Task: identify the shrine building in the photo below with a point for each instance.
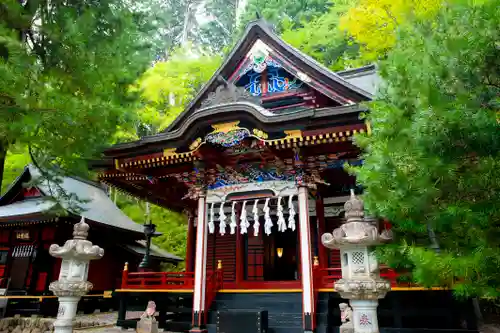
(257, 162)
(36, 213)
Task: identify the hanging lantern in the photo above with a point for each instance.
(279, 252)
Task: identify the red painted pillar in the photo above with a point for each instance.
(320, 216)
(191, 237)
(308, 304)
(200, 270)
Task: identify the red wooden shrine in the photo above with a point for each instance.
(257, 161)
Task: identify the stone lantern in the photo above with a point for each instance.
(72, 284)
(360, 282)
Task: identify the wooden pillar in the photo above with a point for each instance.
(200, 269)
(240, 259)
(308, 305)
(191, 237)
(320, 217)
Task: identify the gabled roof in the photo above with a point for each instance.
(140, 248)
(93, 201)
(365, 78)
(260, 30)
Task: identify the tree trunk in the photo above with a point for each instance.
(3, 155)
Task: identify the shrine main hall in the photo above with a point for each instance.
(257, 161)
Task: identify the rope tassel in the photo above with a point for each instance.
(256, 224)
(267, 217)
(233, 224)
(291, 214)
(281, 217)
(222, 219)
(211, 224)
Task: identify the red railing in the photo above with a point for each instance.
(214, 284)
(158, 280)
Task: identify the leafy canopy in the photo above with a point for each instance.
(168, 87)
(322, 39)
(65, 69)
(433, 160)
(374, 23)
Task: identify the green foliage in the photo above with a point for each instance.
(217, 33)
(433, 160)
(17, 159)
(373, 24)
(168, 87)
(322, 39)
(277, 11)
(65, 69)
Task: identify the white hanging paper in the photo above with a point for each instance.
(281, 217)
(243, 219)
(291, 214)
(267, 217)
(233, 224)
(222, 220)
(256, 224)
(211, 224)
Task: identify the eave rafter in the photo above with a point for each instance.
(291, 139)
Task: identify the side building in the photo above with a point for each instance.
(257, 159)
(35, 213)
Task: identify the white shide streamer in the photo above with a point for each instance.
(222, 219)
(267, 217)
(243, 219)
(256, 224)
(211, 224)
(233, 224)
(281, 217)
(291, 214)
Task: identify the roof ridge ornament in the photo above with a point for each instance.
(229, 93)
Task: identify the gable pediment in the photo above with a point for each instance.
(280, 76)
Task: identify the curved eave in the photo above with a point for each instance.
(231, 112)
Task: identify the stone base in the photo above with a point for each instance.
(146, 325)
(346, 328)
(364, 315)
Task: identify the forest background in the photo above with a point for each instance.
(116, 71)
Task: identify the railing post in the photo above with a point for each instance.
(125, 276)
(219, 274)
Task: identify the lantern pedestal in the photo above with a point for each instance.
(364, 315)
(360, 282)
(72, 284)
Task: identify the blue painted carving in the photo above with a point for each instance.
(246, 173)
(277, 81)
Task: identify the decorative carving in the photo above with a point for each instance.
(194, 193)
(245, 173)
(364, 320)
(150, 311)
(228, 139)
(346, 318)
(62, 288)
(345, 313)
(367, 288)
(356, 230)
(148, 323)
(229, 94)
